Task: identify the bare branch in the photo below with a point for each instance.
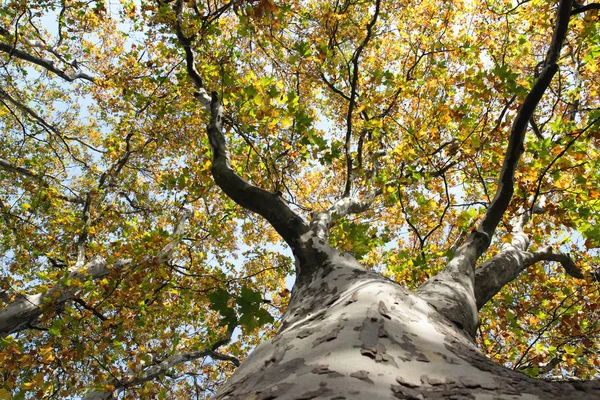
(163, 367)
(515, 148)
(577, 9)
(269, 205)
(83, 236)
(536, 129)
(177, 236)
(44, 63)
(565, 260)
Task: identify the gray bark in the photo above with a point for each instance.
(25, 310)
(352, 334)
(452, 290)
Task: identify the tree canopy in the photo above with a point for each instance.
(124, 265)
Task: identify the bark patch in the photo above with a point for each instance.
(323, 390)
(329, 337)
(406, 383)
(407, 345)
(323, 369)
(353, 298)
(362, 375)
(383, 310)
(304, 334)
(403, 392)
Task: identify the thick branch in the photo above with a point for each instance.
(20, 314)
(580, 9)
(321, 222)
(44, 63)
(515, 148)
(269, 205)
(513, 258)
(451, 291)
(503, 268)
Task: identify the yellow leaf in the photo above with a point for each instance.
(286, 122)
(47, 355)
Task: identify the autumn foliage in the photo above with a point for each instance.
(104, 156)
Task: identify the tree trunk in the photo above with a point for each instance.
(352, 334)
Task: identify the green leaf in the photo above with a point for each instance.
(250, 91)
(56, 328)
(219, 299)
(303, 48)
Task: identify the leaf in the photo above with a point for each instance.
(286, 122)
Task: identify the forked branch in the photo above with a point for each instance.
(44, 63)
(506, 266)
(321, 222)
(451, 290)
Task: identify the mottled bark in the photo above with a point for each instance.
(353, 334)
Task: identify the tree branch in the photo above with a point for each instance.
(269, 205)
(20, 314)
(352, 99)
(451, 291)
(321, 222)
(513, 258)
(577, 9)
(506, 266)
(48, 127)
(7, 166)
(44, 63)
(163, 367)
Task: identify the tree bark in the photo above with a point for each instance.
(352, 334)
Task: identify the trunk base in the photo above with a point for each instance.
(351, 334)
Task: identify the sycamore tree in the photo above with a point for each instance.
(426, 173)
